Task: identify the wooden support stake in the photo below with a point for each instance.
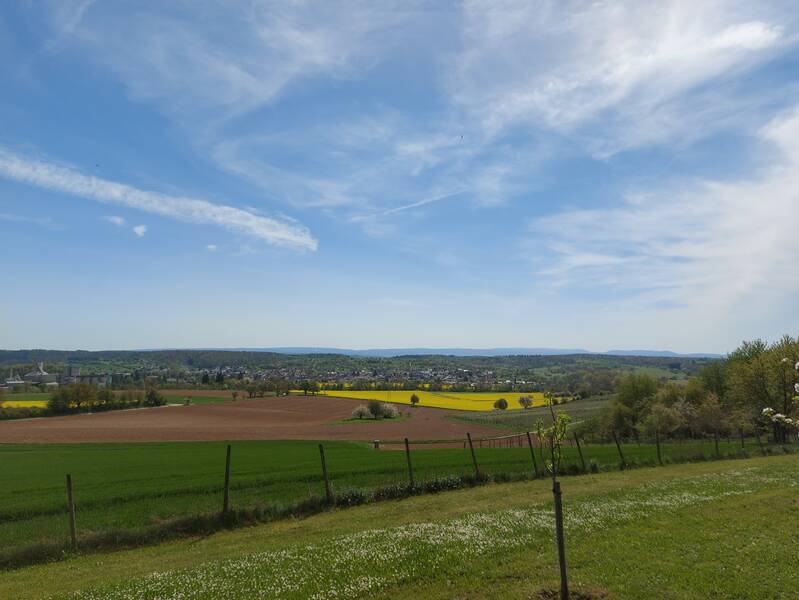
(226, 497)
(564, 580)
(741, 430)
(73, 533)
(408, 456)
(328, 489)
(618, 447)
(532, 454)
(579, 450)
(474, 457)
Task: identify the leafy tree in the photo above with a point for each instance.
(154, 398)
(205, 379)
(375, 408)
(618, 418)
(710, 415)
(635, 391)
(414, 399)
(501, 404)
(360, 412)
(525, 402)
(661, 420)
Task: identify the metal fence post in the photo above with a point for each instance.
(73, 534)
(474, 457)
(408, 456)
(328, 489)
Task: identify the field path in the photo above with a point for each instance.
(284, 418)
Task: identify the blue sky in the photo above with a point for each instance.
(371, 174)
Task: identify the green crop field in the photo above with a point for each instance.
(525, 420)
(181, 399)
(130, 487)
(684, 532)
(28, 396)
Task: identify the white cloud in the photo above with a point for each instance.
(189, 210)
(212, 247)
(615, 74)
(223, 60)
(711, 244)
(115, 220)
(140, 230)
(45, 222)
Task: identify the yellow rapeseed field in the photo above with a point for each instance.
(454, 400)
(24, 404)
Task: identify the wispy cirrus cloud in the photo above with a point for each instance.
(115, 220)
(188, 210)
(44, 222)
(188, 65)
(711, 243)
(614, 75)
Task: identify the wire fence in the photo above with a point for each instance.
(257, 481)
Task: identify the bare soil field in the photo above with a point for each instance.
(284, 418)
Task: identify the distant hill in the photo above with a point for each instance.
(60, 355)
(392, 352)
(661, 353)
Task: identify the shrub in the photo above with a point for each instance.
(414, 399)
(361, 411)
(351, 498)
(501, 404)
(390, 411)
(154, 398)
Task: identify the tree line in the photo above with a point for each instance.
(754, 391)
(82, 397)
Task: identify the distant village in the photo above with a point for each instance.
(232, 375)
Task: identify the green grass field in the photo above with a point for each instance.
(41, 396)
(525, 420)
(130, 487)
(708, 530)
(181, 399)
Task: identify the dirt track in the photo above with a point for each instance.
(288, 417)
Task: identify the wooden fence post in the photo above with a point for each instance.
(741, 430)
(408, 456)
(618, 447)
(532, 454)
(73, 533)
(474, 457)
(226, 497)
(564, 580)
(657, 443)
(328, 489)
(579, 451)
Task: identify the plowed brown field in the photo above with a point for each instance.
(287, 417)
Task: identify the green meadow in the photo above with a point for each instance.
(135, 487)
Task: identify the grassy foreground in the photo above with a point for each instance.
(720, 530)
